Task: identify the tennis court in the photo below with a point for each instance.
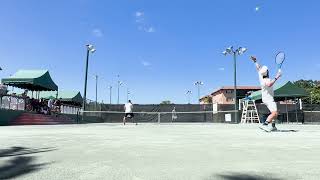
(151, 151)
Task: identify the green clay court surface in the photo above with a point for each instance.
(186, 151)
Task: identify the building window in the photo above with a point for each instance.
(229, 99)
(229, 91)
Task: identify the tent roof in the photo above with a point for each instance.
(34, 80)
(287, 90)
(66, 96)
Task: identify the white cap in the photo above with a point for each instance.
(263, 71)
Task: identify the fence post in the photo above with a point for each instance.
(287, 111)
(158, 118)
(77, 117)
(295, 103)
(17, 100)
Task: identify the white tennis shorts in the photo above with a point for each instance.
(272, 106)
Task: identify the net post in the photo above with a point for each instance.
(158, 118)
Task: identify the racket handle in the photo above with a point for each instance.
(280, 65)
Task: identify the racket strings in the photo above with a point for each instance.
(280, 58)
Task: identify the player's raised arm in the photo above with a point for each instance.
(271, 83)
(254, 59)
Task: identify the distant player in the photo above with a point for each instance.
(174, 114)
(128, 112)
(267, 94)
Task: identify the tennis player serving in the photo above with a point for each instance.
(267, 94)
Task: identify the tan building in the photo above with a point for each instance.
(224, 95)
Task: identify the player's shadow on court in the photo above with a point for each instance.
(242, 176)
(18, 161)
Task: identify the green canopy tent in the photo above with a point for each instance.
(68, 97)
(282, 92)
(33, 80)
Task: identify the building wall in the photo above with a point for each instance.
(217, 98)
(223, 97)
(226, 96)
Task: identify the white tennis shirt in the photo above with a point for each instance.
(128, 108)
(266, 91)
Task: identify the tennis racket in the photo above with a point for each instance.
(280, 57)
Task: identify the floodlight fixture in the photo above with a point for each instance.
(224, 53)
(229, 50)
(241, 50)
(91, 48)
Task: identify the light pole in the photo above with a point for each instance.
(110, 92)
(90, 49)
(236, 52)
(96, 105)
(188, 93)
(198, 83)
(1, 96)
(128, 92)
(119, 84)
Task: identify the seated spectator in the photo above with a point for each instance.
(37, 105)
(25, 93)
(33, 104)
(57, 104)
(3, 90)
(50, 105)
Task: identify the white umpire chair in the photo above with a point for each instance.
(249, 112)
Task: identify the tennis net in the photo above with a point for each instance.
(160, 117)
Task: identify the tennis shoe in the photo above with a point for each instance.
(273, 128)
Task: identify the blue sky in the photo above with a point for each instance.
(159, 48)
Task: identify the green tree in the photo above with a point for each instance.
(207, 100)
(313, 88)
(166, 102)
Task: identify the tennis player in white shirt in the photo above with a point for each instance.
(267, 94)
(128, 112)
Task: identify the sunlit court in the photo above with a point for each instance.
(177, 151)
(159, 90)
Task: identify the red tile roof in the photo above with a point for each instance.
(238, 88)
